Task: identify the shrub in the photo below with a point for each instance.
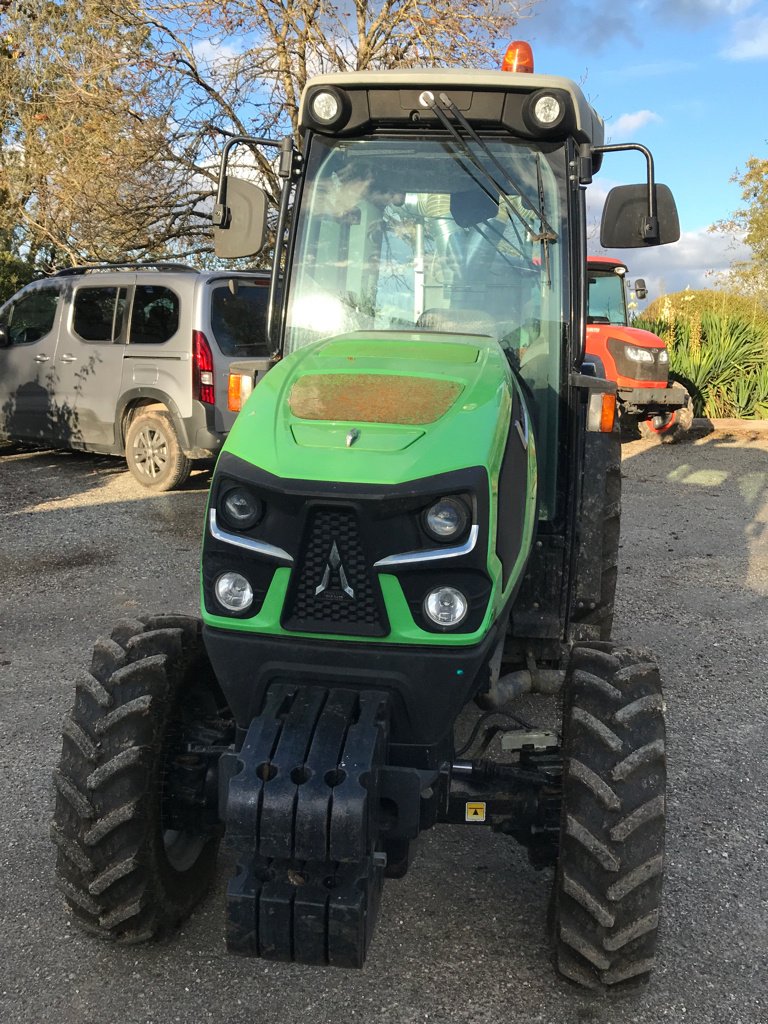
(721, 359)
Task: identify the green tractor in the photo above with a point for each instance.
(416, 513)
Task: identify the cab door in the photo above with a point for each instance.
(29, 384)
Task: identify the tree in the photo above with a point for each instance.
(81, 165)
(751, 223)
(239, 66)
(114, 114)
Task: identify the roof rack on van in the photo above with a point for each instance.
(103, 267)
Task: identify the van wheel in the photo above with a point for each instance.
(153, 452)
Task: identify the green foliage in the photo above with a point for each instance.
(14, 274)
(722, 359)
(750, 223)
(692, 303)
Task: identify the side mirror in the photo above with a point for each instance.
(5, 340)
(627, 221)
(240, 221)
(640, 290)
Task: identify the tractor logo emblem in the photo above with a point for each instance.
(334, 582)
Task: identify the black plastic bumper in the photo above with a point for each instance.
(427, 686)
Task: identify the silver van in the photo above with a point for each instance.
(130, 360)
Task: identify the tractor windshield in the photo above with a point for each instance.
(404, 233)
(607, 298)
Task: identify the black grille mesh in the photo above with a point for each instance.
(333, 610)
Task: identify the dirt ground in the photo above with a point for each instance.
(463, 938)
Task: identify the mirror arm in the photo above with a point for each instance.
(221, 214)
(650, 226)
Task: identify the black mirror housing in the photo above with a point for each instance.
(242, 220)
(627, 221)
(641, 291)
(5, 339)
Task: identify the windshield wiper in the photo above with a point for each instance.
(547, 233)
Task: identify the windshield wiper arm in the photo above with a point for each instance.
(547, 233)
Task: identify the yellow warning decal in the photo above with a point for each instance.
(474, 812)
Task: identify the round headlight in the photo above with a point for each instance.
(547, 109)
(447, 519)
(233, 592)
(446, 607)
(663, 355)
(240, 508)
(325, 106)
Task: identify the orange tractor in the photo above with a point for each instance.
(637, 360)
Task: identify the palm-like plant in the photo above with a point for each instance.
(722, 359)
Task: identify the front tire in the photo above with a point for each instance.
(153, 451)
(669, 428)
(131, 867)
(607, 894)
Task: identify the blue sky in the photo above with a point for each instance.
(687, 79)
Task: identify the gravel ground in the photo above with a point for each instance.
(463, 938)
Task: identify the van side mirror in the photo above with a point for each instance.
(627, 223)
(640, 289)
(240, 220)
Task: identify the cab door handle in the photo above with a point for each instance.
(67, 358)
(41, 358)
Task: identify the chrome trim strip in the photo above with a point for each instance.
(522, 430)
(431, 554)
(256, 547)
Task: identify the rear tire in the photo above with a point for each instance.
(153, 452)
(607, 893)
(125, 873)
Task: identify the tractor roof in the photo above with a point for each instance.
(589, 124)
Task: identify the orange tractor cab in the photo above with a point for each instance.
(637, 360)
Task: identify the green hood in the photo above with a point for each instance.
(379, 408)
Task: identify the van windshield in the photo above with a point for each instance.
(239, 318)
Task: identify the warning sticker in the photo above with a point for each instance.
(474, 812)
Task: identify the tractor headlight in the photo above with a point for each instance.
(447, 519)
(446, 607)
(663, 355)
(233, 592)
(240, 509)
(638, 355)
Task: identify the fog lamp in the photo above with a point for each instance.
(233, 592)
(446, 607)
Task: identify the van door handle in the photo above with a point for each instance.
(41, 358)
(67, 358)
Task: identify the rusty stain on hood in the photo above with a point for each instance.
(372, 398)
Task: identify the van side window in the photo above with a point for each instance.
(98, 314)
(31, 317)
(239, 320)
(155, 315)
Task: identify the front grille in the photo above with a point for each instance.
(332, 589)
